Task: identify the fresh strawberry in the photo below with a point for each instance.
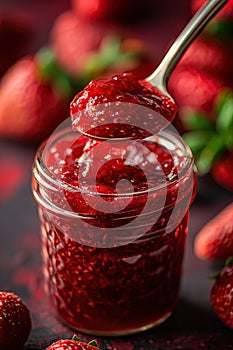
(193, 88)
(225, 14)
(15, 322)
(74, 39)
(222, 294)
(74, 344)
(222, 171)
(31, 106)
(211, 56)
(215, 240)
(114, 10)
(99, 51)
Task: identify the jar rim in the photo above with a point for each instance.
(166, 134)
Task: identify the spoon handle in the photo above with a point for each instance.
(160, 76)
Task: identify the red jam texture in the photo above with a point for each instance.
(121, 107)
(129, 279)
(113, 289)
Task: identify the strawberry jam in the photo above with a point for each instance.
(113, 224)
(132, 108)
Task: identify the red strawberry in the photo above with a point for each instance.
(222, 294)
(225, 14)
(15, 322)
(222, 171)
(215, 240)
(212, 56)
(74, 39)
(114, 10)
(30, 107)
(193, 88)
(74, 344)
(98, 51)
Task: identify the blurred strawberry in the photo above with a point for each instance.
(193, 88)
(212, 141)
(99, 50)
(117, 55)
(15, 35)
(222, 294)
(225, 14)
(212, 56)
(222, 171)
(112, 10)
(74, 344)
(74, 39)
(215, 240)
(33, 100)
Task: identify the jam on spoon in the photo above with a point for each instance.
(109, 108)
(121, 107)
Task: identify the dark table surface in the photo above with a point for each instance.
(193, 325)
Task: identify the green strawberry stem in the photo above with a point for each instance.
(51, 72)
(222, 30)
(108, 57)
(228, 262)
(208, 140)
(91, 343)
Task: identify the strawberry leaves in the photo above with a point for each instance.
(207, 139)
(222, 30)
(224, 121)
(91, 343)
(51, 72)
(110, 55)
(73, 344)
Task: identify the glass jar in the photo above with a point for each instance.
(113, 225)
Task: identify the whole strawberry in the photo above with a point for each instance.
(211, 55)
(74, 39)
(222, 171)
(215, 240)
(194, 88)
(31, 106)
(15, 322)
(222, 294)
(74, 344)
(99, 51)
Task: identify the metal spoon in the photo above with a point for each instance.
(159, 78)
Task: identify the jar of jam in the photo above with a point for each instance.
(113, 225)
(114, 192)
